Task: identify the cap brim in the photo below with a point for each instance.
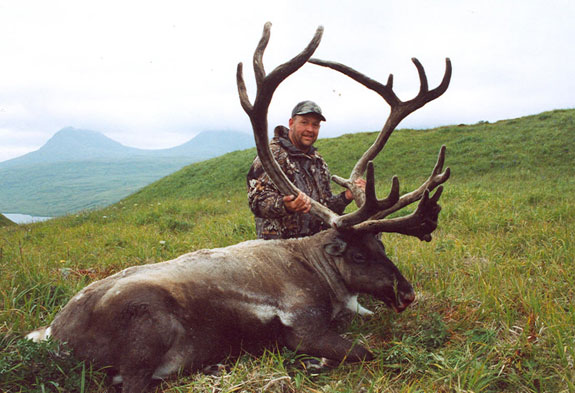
(311, 113)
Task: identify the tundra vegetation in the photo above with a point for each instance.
(495, 289)
(4, 221)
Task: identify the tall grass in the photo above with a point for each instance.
(494, 312)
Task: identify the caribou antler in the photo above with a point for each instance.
(371, 212)
(420, 223)
(399, 110)
(266, 85)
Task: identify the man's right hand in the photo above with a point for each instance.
(301, 204)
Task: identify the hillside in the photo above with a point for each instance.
(5, 221)
(524, 147)
(495, 287)
(81, 169)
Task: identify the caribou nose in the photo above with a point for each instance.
(409, 297)
(405, 300)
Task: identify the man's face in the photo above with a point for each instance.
(303, 130)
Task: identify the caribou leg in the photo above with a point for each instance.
(137, 382)
(329, 345)
(311, 335)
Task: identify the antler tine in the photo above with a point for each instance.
(266, 86)
(258, 63)
(384, 91)
(421, 223)
(435, 179)
(244, 99)
(423, 86)
(439, 90)
(372, 205)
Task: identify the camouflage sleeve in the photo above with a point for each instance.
(338, 202)
(264, 198)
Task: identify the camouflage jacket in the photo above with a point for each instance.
(309, 172)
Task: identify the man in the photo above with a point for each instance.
(286, 216)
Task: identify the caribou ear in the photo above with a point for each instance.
(335, 248)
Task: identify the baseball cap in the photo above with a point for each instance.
(305, 107)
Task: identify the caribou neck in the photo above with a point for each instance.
(323, 264)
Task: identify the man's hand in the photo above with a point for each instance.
(301, 204)
(360, 183)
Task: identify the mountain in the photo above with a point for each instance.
(82, 169)
(71, 144)
(212, 144)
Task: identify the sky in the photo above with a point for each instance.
(153, 74)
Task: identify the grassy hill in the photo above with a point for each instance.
(5, 221)
(495, 309)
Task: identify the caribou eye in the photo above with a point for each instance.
(358, 257)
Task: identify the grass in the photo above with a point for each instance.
(5, 221)
(495, 309)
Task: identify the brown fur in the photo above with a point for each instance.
(201, 307)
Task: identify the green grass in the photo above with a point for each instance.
(495, 309)
(5, 221)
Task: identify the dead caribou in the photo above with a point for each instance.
(149, 321)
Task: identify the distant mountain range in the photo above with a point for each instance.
(71, 144)
(81, 169)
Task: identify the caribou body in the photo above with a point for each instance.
(149, 321)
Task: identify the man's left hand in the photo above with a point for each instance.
(360, 183)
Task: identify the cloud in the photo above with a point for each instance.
(155, 74)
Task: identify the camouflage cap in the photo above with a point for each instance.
(305, 107)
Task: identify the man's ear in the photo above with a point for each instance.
(335, 248)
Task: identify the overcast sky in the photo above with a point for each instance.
(152, 74)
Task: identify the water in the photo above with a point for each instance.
(24, 218)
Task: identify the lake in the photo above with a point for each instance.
(24, 218)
